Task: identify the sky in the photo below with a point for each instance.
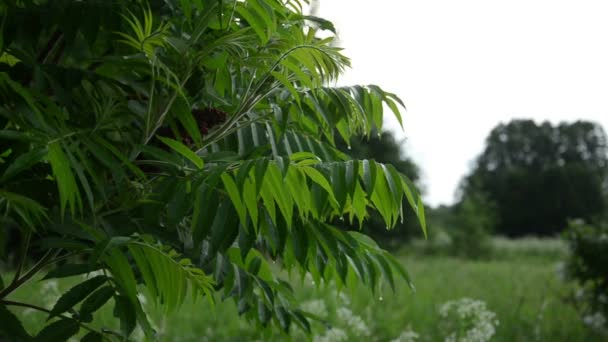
(462, 67)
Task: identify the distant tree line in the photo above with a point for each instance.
(538, 176)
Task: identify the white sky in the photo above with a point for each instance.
(462, 67)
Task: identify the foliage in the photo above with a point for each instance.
(177, 147)
(385, 148)
(586, 265)
(539, 176)
(470, 228)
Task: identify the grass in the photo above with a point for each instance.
(521, 288)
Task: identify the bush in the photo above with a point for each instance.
(587, 266)
(470, 228)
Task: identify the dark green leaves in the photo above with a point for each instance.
(69, 193)
(184, 151)
(68, 270)
(60, 330)
(95, 301)
(11, 328)
(76, 294)
(124, 310)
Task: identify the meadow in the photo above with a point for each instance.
(521, 285)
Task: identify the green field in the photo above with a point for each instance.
(522, 288)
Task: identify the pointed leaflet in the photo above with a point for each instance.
(320, 179)
(274, 181)
(382, 199)
(253, 20)
(123, 159)
(23, 162)
(68, 190)
(393, 179)
(182, 110)
(235, 196)
(95, 301)
(11, 327)
(125, 311)
(251, 202)
(122, 273)
(93, 336)
(415, 201)
(68, 270)
(184, 151)
(296, 183)
(60, 330)
(287, 83)
(205, 207)
(369, 175)
(76, 294)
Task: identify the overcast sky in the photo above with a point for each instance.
(462, 67)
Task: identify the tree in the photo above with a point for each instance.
(178, 146)
(385, 148)
(539, 176)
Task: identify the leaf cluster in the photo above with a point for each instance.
(176, 148)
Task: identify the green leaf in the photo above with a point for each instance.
(318, 178)
(95, 301)
(76, 294)
(11, 328)
(323, 23)
(369, 175)
(251, 202)
(23, 162)
(235, 197)
(68, 190)
(184, 151)
(60, 330)
(254, 21)
(92, 336)
(68, 270)
(125, 311)
(120, 267)
(283, 318)
(205, 209)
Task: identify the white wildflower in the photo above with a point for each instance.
(315, 307)
(473, 321)
(49, 292)
(407, 336)
(332, 335)
(355, 323)
(579, 294)
(595, 321)
(560, 271)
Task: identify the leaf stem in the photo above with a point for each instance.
(23, 256)
(17, 282)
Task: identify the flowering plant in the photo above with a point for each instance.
(468, 320)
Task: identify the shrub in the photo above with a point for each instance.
(587, 265)
(470, 228)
